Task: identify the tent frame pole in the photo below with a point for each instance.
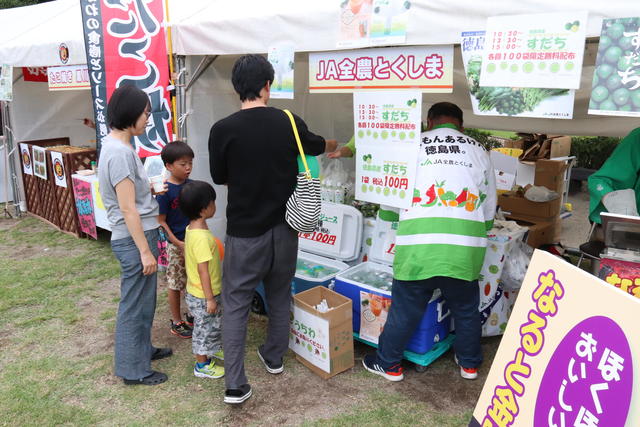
(10, 151)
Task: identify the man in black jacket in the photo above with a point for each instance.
(254, 152)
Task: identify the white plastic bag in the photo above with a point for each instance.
(540, 194)
(621, 202)
(515, 266)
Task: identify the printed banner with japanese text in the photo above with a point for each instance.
(425, 68)
(34, 74)
(541, 50)
(68, 77)
(615, 90)
(387, 131)
(309, 338)
(125, 44)
(373, 22)
(568, 354)
(84, 206)
(507, 101)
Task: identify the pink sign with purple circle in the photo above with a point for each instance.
(589, 378)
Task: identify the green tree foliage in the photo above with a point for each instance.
(483, 137)
(7, 4)
(592, 151)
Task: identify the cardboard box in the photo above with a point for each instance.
(560, 146)
(515, 204)
(540, 232)
(323, 342)
(550, 174)
(517, 144)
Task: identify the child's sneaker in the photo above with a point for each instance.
(210, 370)
(219, 355)
(188, 318)
(181, 329)
(371, 364)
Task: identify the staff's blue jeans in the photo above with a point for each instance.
(137, 307)
(409, 302)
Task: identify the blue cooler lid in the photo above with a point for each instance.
(338, 235)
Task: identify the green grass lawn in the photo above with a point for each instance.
(58, 299)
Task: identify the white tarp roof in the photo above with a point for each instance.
(30, 35)
(217, 27)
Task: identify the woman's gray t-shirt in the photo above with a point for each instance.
(117, 162)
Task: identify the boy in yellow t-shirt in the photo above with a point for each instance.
(204, 278)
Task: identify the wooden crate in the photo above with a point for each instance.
(39, 194)
(74, 158)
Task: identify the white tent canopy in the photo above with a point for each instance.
(220, 27)
(30, 36)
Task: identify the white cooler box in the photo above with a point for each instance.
(323, 253)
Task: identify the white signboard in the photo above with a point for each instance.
(27, 163)
(282, 58)
(387, 131)
(58, 167)
(427, 68)
(507, 101)
(327, 237)
(309, 338)
(39, 162)
(541, 50)
(68, 77)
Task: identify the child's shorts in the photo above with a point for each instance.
(207, 328)
(176, 272)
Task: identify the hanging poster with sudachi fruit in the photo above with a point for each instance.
(615, 90)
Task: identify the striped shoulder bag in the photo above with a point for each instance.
(303, 207)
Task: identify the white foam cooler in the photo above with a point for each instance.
(324, 253)
(336, 240)
(433, 327)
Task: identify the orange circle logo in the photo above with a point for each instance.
(58, 169)
(26, 158)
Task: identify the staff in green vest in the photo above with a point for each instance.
(620, 172)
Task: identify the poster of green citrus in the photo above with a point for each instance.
(615, 89)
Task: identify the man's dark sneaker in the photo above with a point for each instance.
(235, 396)
(181, 329)
(272, 368)
(372, 364)
(188, 319)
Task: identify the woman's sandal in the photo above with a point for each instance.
(154, 379)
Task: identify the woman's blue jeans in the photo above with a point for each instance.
(137, 307)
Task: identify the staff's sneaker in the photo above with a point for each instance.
(219, 355)
(235, 396)
(181, 329)
(371, 364)
(210, 370)
(467, 373)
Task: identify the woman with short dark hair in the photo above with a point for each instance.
(132, 213)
